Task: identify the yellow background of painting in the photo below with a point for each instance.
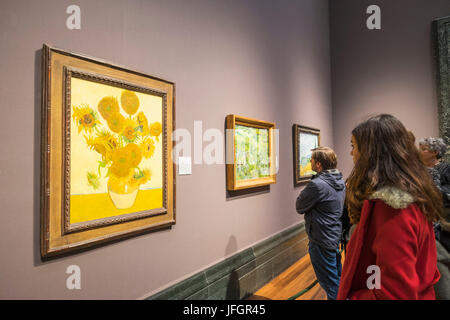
(89, 204)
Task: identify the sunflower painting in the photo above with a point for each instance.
(115, 151)
(107, 167)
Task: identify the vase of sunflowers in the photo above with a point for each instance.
(122, 146)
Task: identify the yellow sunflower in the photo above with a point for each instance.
(129, 101)
(130, 129)
(85, 118)
(109, 139)
(93, 180)
(134, 183)
(147, 175)
(116, 122)
(124, 159)
(108, 106)
(121, 164)
(155, 130)
(147, 147)
(140, 178)
(104, 144)
(97, 145)
(134, 154)
(143, 122)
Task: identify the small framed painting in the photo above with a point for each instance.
(250, 153)
(106, 159)
(304, 140)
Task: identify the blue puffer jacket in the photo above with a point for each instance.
(322, 202)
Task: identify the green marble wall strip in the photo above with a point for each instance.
(442, 38)
(184, 289)
(242, 274)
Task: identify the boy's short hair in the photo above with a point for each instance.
(326, 156)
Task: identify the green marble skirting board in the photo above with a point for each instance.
(240, 275)
(442, 46)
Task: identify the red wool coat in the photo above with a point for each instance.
(401, 243)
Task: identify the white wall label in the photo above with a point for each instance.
(184, 166)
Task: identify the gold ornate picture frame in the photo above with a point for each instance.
(106, 152)
(251, 158)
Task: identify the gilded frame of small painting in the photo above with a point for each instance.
(106, 152)
(304, 139)
(251, 159)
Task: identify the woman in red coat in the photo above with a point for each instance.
(392, 199)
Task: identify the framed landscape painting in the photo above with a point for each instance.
(304, 140)
(107, 170)
(250, 153)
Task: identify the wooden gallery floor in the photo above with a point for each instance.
(294, 279)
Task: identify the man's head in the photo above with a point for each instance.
(323, 158)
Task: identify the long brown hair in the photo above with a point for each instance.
(389, 158)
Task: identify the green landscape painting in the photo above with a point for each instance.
(252, 153)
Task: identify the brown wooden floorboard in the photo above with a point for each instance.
(290, 282)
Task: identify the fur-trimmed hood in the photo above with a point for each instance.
(393, 197)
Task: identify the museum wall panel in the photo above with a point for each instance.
(262, 59)
(390, 70)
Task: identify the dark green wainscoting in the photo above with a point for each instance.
(441, 28)
(240, 275)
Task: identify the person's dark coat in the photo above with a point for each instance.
(441, 178)
(322, 202)
(442, 287)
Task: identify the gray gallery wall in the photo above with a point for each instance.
(389, 70)
(263, 59)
